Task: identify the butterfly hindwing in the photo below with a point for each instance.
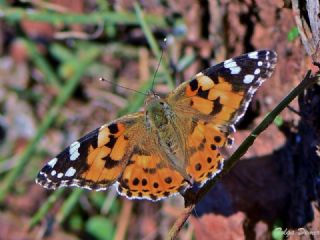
(205, 160)
(146, 176)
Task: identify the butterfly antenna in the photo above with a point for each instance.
(155, 73)
(106, 80)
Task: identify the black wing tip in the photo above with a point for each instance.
(44, 181)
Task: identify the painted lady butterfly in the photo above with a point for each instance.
(173, 143)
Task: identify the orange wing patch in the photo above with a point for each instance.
(205, 159)
(94, 162)
(144, 177)
(214, 97)
(105, 161)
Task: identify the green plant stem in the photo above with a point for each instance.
(107, 17)
(69, 204)
(63, 96)
(45, 207)
(42, 64)
(192, 199)
(145, 22)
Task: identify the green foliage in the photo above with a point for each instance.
(293, 34)
(278, 121)
(100, 227)
(277, 232)
(97, 199)
(76, 222)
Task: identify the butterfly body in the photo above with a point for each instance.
(162, 123)
(171, 145)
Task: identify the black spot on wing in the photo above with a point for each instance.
(217, 106)
(112, 141)
(144, 182)
(194, 84)
(203, 94)
(168, 180)
(129, 194)
(113, 128)
(153, 197)
(149, 170)
(41, 178)
(135, 181)
(110, 163)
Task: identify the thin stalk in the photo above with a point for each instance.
(107, 17)
(144, 22)
(45, 207)
(69, 204)
(42, 64)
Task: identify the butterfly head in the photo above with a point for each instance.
(152, 98)
(156, 110)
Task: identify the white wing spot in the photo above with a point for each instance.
(253, 55)
(260, 63)
(226, 62)
(248, 78)
(257, 71)
(73, 151)
(232, 65)
(53, 173)
(52, 162)
(70, 172)
(60, 175)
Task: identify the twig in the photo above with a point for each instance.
(153, 44)
(310, 35)
(123, 220)
(68, 204)
(304, 32)
(80, 35)
(45, 207)
(242, 149)
(175, 229)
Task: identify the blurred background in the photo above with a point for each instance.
(52, 54)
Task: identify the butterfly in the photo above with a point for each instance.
(173, 144)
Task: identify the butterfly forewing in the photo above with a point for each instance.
(95, 161)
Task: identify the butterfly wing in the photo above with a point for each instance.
(214, 101)
(95, 161)
(148, 174)
(120, 152)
